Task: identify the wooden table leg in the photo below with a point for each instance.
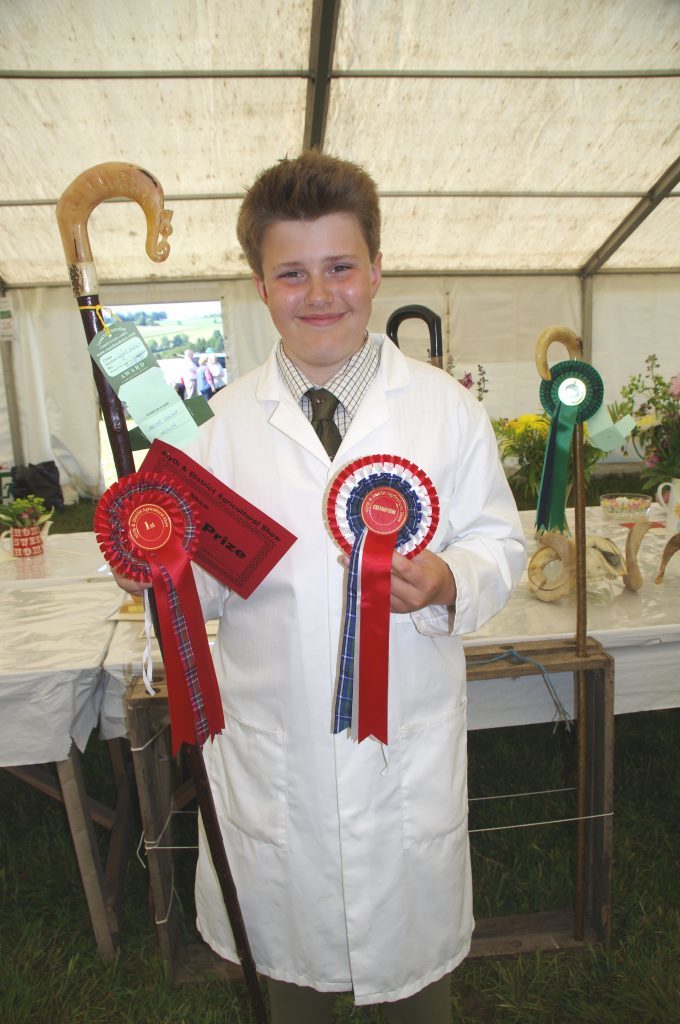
(102, 915)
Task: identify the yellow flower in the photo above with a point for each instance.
(530, 422)
(647, 421)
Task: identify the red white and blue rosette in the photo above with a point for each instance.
(146, 526)
(376, 505)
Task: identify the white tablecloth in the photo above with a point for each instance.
(68, 558)
(55, 635)
(641, 630)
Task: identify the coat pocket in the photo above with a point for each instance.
(248, 771)
(433, 759)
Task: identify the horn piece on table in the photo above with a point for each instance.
(555, 547)
(112, 180)
(634, 578)
(571, 341)
(672, 546)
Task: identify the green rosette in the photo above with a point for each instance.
(573, 394)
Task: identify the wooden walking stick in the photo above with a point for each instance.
(87, 191)
(574, 347)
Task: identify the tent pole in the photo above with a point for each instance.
(587, 281)
(7, 359)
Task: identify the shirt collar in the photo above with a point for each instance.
(348, 385)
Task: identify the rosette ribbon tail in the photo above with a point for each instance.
(552, 495)
(193, 693)
(362, 699)
(374, 635)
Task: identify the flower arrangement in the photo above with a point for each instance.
(521, 444)
(468, 381)
(654, 403)
(25, 512)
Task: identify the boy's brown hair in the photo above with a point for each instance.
(305, 188)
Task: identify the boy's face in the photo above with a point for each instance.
(318, 282)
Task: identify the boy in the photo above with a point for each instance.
(351, 860)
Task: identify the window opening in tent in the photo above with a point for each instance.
(170, 329)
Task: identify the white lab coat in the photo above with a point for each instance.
(351, 861)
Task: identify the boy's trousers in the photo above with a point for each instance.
(292, 1004)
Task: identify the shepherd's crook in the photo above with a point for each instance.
(88, 190)
(574, 347)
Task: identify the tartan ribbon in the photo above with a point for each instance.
(146, 528)
(375, 506)
(344, 701)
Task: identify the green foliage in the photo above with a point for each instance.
(468, 381)
(521, 444)
(654, 402)
(169, 338)
(24, 512)
(142, 318)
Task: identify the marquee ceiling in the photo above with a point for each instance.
(505, 135)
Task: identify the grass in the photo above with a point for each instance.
(45, 932)
(50, 974)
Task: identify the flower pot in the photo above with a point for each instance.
(24, 541)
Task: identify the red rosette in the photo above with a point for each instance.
(147, 528)
(413, 479)
(140, 514)
(375, 506)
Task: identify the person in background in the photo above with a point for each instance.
(204, 383)
(351, 859)
(189, 373)
(219, 376)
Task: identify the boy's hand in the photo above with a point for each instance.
(421, 581)
(129, 586)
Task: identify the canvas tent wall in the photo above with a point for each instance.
(527, 156)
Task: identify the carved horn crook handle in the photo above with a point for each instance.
(571, 341)
(92, 187)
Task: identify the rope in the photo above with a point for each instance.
(533, 824)
(511, 796)
(561, 714)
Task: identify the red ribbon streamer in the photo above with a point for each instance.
(374, 634)
(189, 720)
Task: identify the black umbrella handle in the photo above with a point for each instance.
(434, 326)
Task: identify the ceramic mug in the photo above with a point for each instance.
(668, 496)
(23, 541)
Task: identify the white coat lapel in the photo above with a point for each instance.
(393, 373)
(284, 413)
